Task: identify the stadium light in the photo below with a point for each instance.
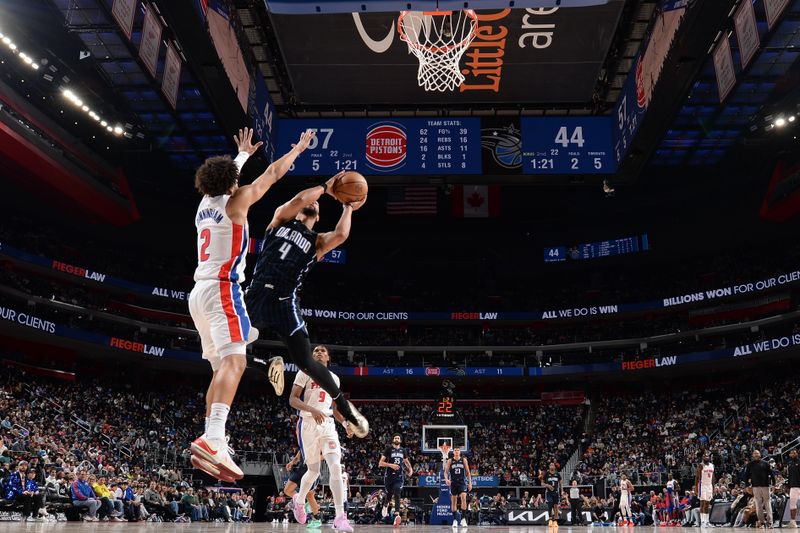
(780, 122)
(792, 118)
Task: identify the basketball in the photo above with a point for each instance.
(350, 187)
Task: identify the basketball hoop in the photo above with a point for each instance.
(438, 39)
(445, 449)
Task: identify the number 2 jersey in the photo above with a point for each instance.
(221, 244)
(288, 253)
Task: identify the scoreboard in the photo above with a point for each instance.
(567, 145)
(448, 146)
(408, 146)
(592, 250)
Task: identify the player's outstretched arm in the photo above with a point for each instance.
(247, 195)
(306, 197)
(329, 241)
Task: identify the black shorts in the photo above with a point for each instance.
(457, 488)
(297, 473)
(268, 311)
(393, 486)
(551, 498)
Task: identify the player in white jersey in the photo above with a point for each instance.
(216, 302)
(705, 484)
(316, 432)
(625, 493)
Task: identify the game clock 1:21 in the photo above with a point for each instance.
(567, 145)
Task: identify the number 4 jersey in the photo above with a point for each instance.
(288, 254)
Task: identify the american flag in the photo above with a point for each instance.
(412, 201)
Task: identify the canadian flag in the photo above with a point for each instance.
(476, 201)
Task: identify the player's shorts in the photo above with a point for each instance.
(706, 493)
(297, 473)
(316, 438)
(457, 488)
(270, 311)
(624, 502)
(393, 485)
(551, 498)
(220, 316)
(794, 495)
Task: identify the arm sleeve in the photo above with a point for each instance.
(241, 159)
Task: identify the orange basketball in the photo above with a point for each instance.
(350, 187)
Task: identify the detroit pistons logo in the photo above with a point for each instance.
(331, 445)
(387, 146)
(432, 371)
(641, 93)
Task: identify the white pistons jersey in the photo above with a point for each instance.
(707, 476)
(221, 244)
(314, 395)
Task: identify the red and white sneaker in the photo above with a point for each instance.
(215, 452)
(397, 520)
(299, 510)
(342, 524)
(209, 469)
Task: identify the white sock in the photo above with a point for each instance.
(205, 428)
(335, 469)
(704, 518)
(308, 481)
(216, 422)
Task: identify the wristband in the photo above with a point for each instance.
(324, 187)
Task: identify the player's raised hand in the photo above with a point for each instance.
(305, 140)
(348, 430)
(244, 141)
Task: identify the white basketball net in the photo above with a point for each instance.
(438, 39)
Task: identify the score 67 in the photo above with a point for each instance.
(324, 133)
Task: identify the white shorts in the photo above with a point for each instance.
(794, 495)
(220, 316)
(706, 493)
(624, 503)
(315, 439)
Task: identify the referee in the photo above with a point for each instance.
(759, 474)
(793, 474)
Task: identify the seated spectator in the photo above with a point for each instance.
(84, 497)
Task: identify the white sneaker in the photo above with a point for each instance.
(215, 452)
(455, 524)
(793, 524)
(463, 522)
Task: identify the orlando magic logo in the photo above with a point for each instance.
(504, 144)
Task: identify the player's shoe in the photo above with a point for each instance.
(358, 423)
(455, 524)
(299, 510)
(397, 520)
(209, 469)
(464, 522)
(272, 368)
(793, 524)
(315, 523)
(342, 524)
(215, 452)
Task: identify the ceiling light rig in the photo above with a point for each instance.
(78, 103)
(25, 58)
(68, 93)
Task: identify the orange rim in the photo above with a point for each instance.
(437, 49)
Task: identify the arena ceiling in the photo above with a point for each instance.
(318, 66)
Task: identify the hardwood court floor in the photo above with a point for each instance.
(166, 527)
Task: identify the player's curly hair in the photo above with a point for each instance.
(216, 176)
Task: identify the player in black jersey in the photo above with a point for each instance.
(793, 476)
(458, 477)
(291, 247)
(552, 494)
(394, 458)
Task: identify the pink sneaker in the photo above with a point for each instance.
(342, 524)
(299, 510)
